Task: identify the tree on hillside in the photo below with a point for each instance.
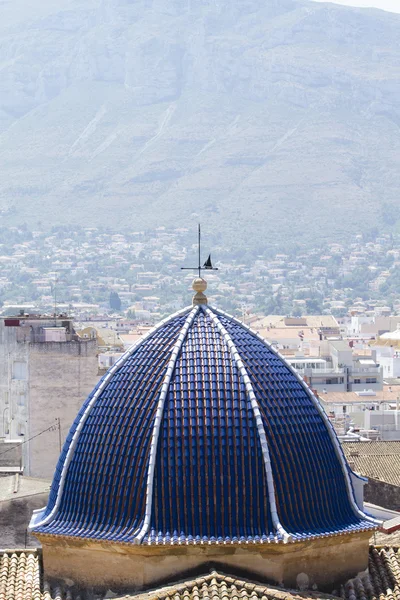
(314, 306)
(115, 301)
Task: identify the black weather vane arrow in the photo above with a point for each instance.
(207, 265)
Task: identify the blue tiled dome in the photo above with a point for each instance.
(201, 433)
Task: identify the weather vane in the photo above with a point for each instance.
(207, 265)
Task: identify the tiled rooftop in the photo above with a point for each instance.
(377, 460)
(380, 448)
(312, 321)
(384, 395)
(20, 576)
(204, 434)
(217, 586)
(382, 580)
(21, 579)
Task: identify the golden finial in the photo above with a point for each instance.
(199, 285)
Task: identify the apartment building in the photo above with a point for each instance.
(46, 372)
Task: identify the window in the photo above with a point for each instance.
(357, 381)
(371, 379)
(20, 370)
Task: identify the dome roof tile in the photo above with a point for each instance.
(201, 433)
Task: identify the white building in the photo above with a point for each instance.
(338, 369)
(374, 415)
(108, 359)
(389, 359)
(46, 372)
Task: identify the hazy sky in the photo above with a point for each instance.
(391, 5)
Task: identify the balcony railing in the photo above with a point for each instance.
(373, 371)
(321, 372)
(369, 371)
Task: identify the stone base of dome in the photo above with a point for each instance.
(324, 563)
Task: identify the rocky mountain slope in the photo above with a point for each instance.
(268, 118)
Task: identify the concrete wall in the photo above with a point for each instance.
(328, 387)
(61, 377)
(40, 382)
(326, 562)
(382, 494)
(364, 385)
(383, 421)
(13, 392)
(358, 484)
(10, 454)
(15, 515)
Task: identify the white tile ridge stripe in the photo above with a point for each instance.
(37, 514)
(331, 431)
(259, 423)
(157, 424)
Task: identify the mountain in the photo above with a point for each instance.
(270, 120)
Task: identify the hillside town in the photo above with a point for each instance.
(79, 270)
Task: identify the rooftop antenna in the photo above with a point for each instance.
(200, 285)
(55, 300)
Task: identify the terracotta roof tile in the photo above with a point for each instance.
(377, 460)
(381, 582)
(374, 448)
(217, 586)
(21, 578)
